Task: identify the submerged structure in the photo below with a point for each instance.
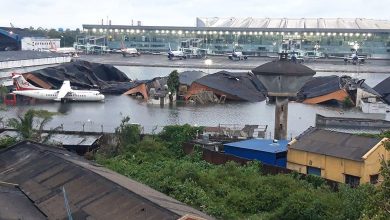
(83, 75)
(237, 86)
(283, 79)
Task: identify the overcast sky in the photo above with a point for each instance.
(73, 13)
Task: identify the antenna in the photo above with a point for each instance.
(68, 211)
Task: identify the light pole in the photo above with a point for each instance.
(63, 38)
(208, 62)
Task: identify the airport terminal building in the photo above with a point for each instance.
(254, 36)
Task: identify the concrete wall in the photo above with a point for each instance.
(33, 62)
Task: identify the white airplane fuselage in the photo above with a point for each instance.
(74, 95)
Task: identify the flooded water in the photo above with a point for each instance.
(107, 115)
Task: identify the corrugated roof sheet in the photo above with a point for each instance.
(73, 139)
(319, 86)
(283, 67)
(383, 88)
(265, 145)
(336, 144)
(93, 192)
(62, 139)
(187, 77)
(14, 204)
(294, 23)
(243, 85)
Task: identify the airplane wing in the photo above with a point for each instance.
(64, 90)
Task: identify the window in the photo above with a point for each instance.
(352, 180)
(374, 179)
(314, 171)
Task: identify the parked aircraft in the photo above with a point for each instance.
(354, 58)
(176, 53)
(21, 83)
(63, 50)
(129, 51)
(65, 93)
(237, 55)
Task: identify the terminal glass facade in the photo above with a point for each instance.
(251, 41)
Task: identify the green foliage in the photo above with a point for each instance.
(7, 141)
(173, 82)
(231, 191)
(176, 135)
(347, 102)
(31, 124)
(127, 134)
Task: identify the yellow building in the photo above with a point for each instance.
(342, 157)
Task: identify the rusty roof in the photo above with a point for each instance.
(93, 191)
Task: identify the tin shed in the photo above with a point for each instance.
(272, 152)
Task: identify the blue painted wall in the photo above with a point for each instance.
(264, 157)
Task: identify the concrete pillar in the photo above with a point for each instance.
(281, 114)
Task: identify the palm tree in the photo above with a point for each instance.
(24, 125)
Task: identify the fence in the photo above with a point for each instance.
(218, 158)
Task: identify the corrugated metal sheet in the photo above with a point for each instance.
(265, 145)
(15, 205)
(93, 191)
(336, 144)
(242, 85)
(383, 88)
(62, 139)
(319, 86)
(293, 23)
(187, 77)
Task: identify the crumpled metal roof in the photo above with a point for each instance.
(319, 86)
(243, 85)
(383, 88)
(187, 77)
(336, 144)
(294, 23)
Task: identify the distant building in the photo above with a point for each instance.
(39, 44)
(272, 152)
(257, 36)
(337, 156)
(10, 38)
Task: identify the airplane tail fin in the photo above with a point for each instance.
(21, 83)
(64, 90)
(123, 45)
(170, 49)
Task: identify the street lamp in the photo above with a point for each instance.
(62, 37)
(208, 62)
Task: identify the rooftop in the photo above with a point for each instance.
(333, 143)
(93, 191)
(265, 145)
(294, 23)
(283, 67)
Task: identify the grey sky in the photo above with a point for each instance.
(74, 13)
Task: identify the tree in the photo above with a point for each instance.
(31, 124)
(385, 185)
(126, 134)
(173, 82)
